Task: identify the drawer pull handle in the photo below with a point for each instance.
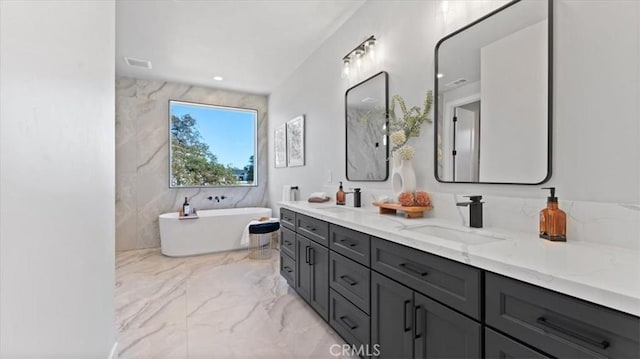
(348, 279)
(348, 323)
(602, 344)
(349, 243)
(287, 242)
(413, 269)
(312, 229)
(288, 269)
(407, 315)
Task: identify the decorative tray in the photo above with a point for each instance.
(191, 216)
(409, 212)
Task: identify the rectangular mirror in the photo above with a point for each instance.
(366, 108)
(212, 146)
(493, 83)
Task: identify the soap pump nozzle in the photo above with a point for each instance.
(552, 197)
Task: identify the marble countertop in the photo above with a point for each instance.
(605, 275)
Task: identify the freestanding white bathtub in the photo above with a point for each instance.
(216, 230)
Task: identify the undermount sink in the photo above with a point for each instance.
(463, 235)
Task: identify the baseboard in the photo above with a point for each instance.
(114, 351)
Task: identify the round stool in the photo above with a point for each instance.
(260, 239)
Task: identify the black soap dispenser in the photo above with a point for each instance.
(553, 220)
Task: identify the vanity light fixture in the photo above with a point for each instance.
(218, 78)
(366, 48)
(440, 76)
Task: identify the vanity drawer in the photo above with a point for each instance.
(557, 324)
(350, 243)
(350, 322)
(312, 228)
(288, 218)
(350, 279)
(454, 284)
(288, 269)
(497, 346)
(288, 242)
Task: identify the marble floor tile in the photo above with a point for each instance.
(222, 305)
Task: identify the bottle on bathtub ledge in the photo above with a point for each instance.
(186, 209)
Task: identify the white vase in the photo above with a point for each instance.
(403, 177)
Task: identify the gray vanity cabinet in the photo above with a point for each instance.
(406, 303)
(288, 247)
(407, 324)
(303, 269)
(312, 277)
(439, 332)
(391, 317)
(557, 324)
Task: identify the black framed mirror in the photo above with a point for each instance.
(493, 105)
(366, 121)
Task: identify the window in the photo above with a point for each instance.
(211, 146)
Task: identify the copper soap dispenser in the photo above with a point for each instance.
(341, 195)
(553, 220)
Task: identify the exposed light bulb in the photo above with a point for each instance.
(345, 68)
(358, 55)
(440, 76)
(371, 49)
(218, 78)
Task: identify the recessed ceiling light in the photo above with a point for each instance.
(440, 76)
(218, 78)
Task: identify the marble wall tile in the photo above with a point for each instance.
(142, 158)
(614, 224)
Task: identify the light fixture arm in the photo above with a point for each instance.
(360, 47)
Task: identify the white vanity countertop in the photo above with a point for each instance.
(606, 275)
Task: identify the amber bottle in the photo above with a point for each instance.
(340, 195)
(553, 220)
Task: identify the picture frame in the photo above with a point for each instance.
(280, 145)
(295, 141)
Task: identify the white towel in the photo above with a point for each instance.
(244, 241)
(318, 195)
(286, 193)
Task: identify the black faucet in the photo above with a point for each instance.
(218, 199)
(357, 197)
(475, 210)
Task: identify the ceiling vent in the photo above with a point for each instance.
(457, 82)
(145, 64)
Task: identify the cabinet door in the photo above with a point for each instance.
(391, 317)
(303, 269)
(319, 295)
(440, 332)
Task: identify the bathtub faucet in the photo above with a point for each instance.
(218, 199)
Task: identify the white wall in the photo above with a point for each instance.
(514, 100)
(57, 179)
(596, 84)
